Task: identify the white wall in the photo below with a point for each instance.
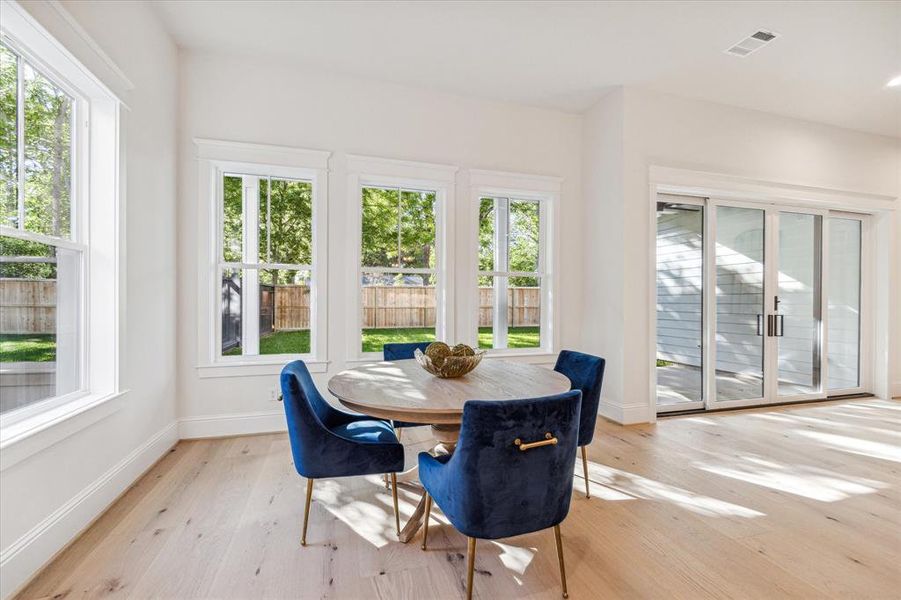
(260, 102)
(602, 293)
(48, 497)
(676, 132)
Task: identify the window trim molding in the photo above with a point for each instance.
(546, 190)
(98, 196)
(369, 170)
(215, 157)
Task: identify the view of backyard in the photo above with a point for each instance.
(293, 342)
(29, 347)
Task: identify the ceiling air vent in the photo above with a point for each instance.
(752, 43)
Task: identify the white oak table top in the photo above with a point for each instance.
(404, 391)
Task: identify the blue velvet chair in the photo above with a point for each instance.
(586, 373)
(403, 351)
(511, 472)
(327, 442)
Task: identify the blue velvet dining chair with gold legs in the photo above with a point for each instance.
(511, 472)
(585, 373)
(327, 442)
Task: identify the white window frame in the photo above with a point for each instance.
(216, 159)
(95, 232)
(545, 190)
(367, 171)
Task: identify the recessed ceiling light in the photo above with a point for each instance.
(894, 82)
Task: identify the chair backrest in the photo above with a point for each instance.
(586, 372)
(307, 414)
(504, 491)
(402, 351)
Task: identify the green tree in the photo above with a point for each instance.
(47, 113)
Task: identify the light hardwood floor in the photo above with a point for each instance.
(800, 502)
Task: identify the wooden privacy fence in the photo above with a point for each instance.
(27, 306)
(386, 307)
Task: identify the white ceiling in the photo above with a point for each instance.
(830, 63)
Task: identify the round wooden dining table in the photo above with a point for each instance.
(403, 391)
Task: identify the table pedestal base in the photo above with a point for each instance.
(446, 436)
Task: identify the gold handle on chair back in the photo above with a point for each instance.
(548, 440)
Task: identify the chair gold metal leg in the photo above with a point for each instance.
(560, 558)
(306, 512)
(470, 567)
(585, 470)
(394, 495)
(425, 521)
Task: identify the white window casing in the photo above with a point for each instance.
(505, 187)
(90, 275)
(367, 171)
(217, 158)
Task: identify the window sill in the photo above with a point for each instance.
(26, 437)
(538, 356)
(255, 368)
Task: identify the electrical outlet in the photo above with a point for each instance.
(273, 395)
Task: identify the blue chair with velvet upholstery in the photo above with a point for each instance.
(403, 351)
(327, 442)
(586, 373)
(511, 472)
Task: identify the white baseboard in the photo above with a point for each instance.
(209, 426)
(624, 414)
(27, 555)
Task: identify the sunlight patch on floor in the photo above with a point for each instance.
(373, 523)
(649, 489)
(807, 482)
(515, 558)
(855, 445)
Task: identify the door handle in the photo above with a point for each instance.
(759, 324)
(779, 322)
(769, 325)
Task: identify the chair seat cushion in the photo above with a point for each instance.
(367, 431)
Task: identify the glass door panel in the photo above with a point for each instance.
(797, 305)
(680, 273)
(843, 347)
(740, 311)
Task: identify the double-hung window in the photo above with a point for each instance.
(266, 271)
(58, 229)
(514, 291)
(402, 276)
(41, 246)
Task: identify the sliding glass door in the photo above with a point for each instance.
(740, 303)
(756, 304)
(680, 303)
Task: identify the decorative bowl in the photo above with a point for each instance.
(445, 362)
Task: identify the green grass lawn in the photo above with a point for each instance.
(28, 347)
(298, 342)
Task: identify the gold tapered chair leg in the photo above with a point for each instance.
(560, 558)
(306, 512)
(394, 495)
(585, 470)
(425, 522)
(470, 567)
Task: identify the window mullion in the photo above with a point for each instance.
(501, 226)
(250, 297)
(20, 142)
(399, 219)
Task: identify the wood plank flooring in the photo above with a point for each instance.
(795, 502)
